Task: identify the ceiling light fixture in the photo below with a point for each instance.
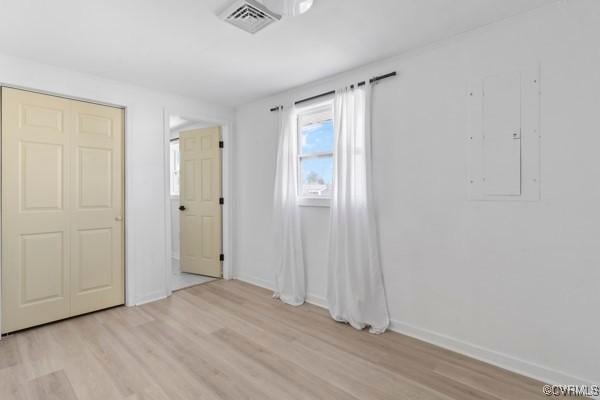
(288, 8)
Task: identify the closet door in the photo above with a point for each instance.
(96, 229)
(35, 209)
(62, 208)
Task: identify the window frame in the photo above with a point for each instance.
(302, 114)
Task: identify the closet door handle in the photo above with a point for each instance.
(181, 208)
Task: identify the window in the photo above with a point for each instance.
(315, 153)
(174, 162)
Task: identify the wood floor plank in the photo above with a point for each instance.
(359, 343)
(289, 337)
(9, 353)
(358, 376)
(164, 369)
(126, 373)
(54, 386)
(228, 340)
(418, 356)
(299, 379)
(206, 363)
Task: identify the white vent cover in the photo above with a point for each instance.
(249, 15)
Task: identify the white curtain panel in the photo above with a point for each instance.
(290, 281)
(355, 291)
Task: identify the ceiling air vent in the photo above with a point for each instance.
(249, 15)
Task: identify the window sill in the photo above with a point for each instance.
(303, 202)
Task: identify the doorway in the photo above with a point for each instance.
(195, 201)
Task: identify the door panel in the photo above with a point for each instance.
(62, 208)
(46, 120)
(35, 183)
(188, 176)
(90, 124)
(200, 194)
(95, 177)
(41, 160)
(95, 252)
(97, 270)
(42, 267)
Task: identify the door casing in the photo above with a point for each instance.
(227, 192)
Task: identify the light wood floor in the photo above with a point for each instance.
(230, 340)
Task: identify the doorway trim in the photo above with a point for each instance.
(128, 253)
(226, 171)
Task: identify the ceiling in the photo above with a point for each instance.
(181, 46)
(177, 123)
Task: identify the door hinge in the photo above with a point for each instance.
(221, 144)
(222, 257)
(221, 200)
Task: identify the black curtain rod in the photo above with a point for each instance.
(363, 83)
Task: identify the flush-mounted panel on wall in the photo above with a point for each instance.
(504, 137)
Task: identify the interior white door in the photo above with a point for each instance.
(62, 204)
(200, 192)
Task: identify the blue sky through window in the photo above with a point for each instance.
(317, 170)
(317, 138)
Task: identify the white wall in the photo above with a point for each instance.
(146, 181)
(514, 283)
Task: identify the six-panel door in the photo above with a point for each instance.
(62, 208)
(200, 194)
(97, 273)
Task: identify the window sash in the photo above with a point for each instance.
(300, 193)
(314, 115)
(315, 155)
(320, 114)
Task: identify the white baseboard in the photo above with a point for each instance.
(255, 281)
(310, 298)
(150, 297)
(492, 357)
(501, 360)
(316, 300)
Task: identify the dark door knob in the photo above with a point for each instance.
(181, 208)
